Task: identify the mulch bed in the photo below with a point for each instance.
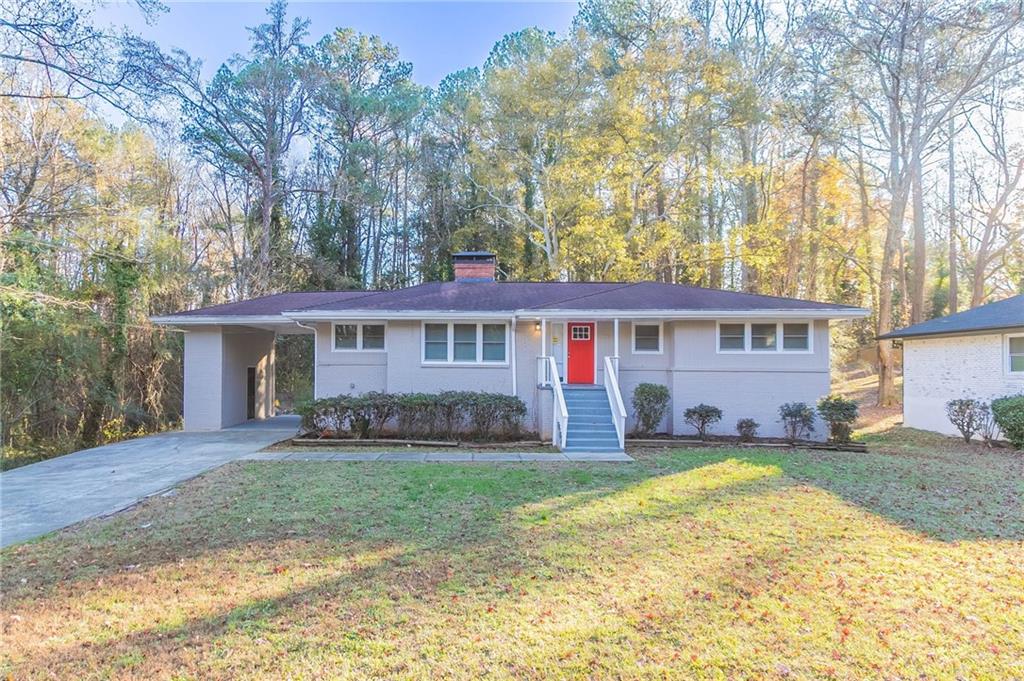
(757, 444)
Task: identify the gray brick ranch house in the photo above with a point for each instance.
(573, 352)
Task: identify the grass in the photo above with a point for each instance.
(719, 563)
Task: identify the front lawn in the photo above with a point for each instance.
(703, 563)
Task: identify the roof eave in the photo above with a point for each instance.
(207, 320)
(949, 332)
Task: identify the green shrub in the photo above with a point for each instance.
(968, 415)
(747, 429)
(326, 417)
(650, 401)
(797, 419)
(840, 414)
(1009, 416)
(702, 416)
(443, 415)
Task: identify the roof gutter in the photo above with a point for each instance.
(525, 314)
(205, 320)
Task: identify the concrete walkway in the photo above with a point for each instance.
(52, 494)
(439, 456)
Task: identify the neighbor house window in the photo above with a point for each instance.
(764, 337)
(646, 338)
(1016, 347)
(465, 343)
(358, 336)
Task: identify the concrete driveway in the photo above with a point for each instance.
(46, 496)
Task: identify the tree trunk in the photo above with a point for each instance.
(919, 259)
(261, 284)
(893, 245)
(954, 282)
(814, 239)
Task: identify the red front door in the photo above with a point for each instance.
(581, 353)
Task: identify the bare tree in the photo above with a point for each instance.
(910, 65)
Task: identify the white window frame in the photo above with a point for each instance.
(779, 337)
(359, 335)
(451, 361)
(1007, 365)
(661, 338)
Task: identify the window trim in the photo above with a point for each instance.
(1007, 364)
(661, 338)
(451, 361)
(359, 324)
(780, 338)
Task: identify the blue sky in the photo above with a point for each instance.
(437, 37)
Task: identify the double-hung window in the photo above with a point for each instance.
(465, 343)
(732, 337)
(354, 336)
(646, 338)
(1015, 350)
(764, 337)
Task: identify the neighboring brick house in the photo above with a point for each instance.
(559, 346)
(978, 353)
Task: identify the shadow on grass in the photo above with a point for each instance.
(501, 547)
(444, 530)
(925, 482)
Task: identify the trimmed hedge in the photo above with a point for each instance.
(427, 416)
(1009, 416)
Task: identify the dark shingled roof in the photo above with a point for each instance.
(274, 304)
(1004, 314)
(509, 296)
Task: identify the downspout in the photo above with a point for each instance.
(512, 358)
(315, 357)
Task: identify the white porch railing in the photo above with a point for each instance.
(611, 386)
(544, 372)
(547, 375)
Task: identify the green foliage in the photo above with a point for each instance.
(840, 414)
(968, 415)
(650, 402)
(747, 429)
(1009, 416)
(701, 417)
(797, 420)
(445, 415)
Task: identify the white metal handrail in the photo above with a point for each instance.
(560, 415)
(543, 372)
(611, 386)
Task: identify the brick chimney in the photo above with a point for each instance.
(473, 266)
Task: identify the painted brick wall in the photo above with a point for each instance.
(936, 370)
(474, 270)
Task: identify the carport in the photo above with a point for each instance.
(229, 356)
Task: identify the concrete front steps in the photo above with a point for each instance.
(591, 428)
